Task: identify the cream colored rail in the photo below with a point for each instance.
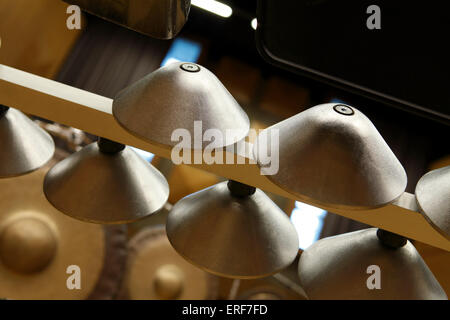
(92, 113)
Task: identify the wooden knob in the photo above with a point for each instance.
(27, 245)
(169, 282)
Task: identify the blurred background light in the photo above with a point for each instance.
(254, 23)
(182, 50)
(144, 154)
(308, 222)
(214, 6)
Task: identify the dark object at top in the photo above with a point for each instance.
(433, 198)
(108, 146)
(390, 239)
(3, 110)
(161, 19)
(240, 190)
(25, 146)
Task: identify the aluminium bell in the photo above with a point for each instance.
(433, 198)
(24, 146)
(232, 230)
(360, 266)
(106, 182)
(333, 155)
(181, 96)
(161, 19)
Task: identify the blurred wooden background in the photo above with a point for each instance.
(34, 35)
(104, 58)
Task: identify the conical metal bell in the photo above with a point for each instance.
(174, 97)
(107, 183)
(433, 198)
(233, 231)
(359, 266)
(161, 19)
(332, 155)
(24, 146)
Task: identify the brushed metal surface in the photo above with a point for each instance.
(336, 268)
(433, 198)
(161, 19)
(171, 98)
(24, 146)
(335, 159)
(232, 237)
(105, 188)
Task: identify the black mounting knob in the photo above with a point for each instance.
(3, 110)
(240, 190)
(390, 239)
(108, 146)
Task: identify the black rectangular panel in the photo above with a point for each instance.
(405, 63)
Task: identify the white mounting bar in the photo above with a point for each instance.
(93, 113)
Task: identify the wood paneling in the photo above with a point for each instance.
(284, 98)
(438, 261)
(185, 180)
(241, 79)
(34, 35)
